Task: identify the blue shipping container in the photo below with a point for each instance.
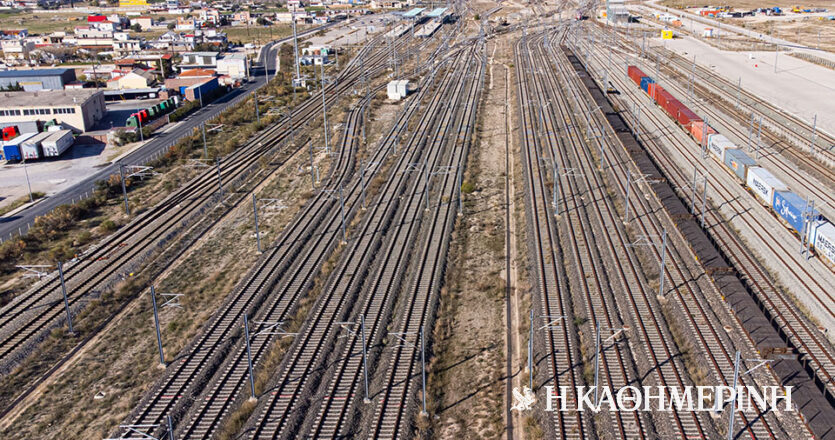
(790, 207)
(12, 152)
(738, 162)
(645, 82)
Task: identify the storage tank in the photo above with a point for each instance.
(31, 148)
(739, 163)
(718, 144)
(763, 183)
(57, 143)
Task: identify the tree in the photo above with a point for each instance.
(136, 27)
(171, 26)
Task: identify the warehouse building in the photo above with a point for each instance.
(79, 109)
(37, 79)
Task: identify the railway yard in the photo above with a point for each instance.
(561, 229)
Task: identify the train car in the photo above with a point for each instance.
(152, 112)
(144, 116)
(739, 163)
(763, 183)
(794, 210)
(718, 144)
(821, 236)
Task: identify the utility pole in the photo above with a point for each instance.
(596, 362)
(124, 188)
(663, 263)
(255, 99)
(733, 398)
(530, 353)
(28, 184)
(249, 360)
(205, 145)
(66, 301)
(156, 323)
(295, 46)
(325, 109)
(257, 232)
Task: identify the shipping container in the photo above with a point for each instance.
(57, 143)
(718, 144)
(635, 74)
(131, 121)
(645, 82)
(31, 148)
(144, 116)
(700, 130)
(152, 112)
(791, 208)
(763, 183)
(176, 100)
(822, 237)
(739, 163)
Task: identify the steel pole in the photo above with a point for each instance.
(693, 206)
(249, 359)
(205, 145)
(555, 202)
(596, 363)
(219, 179)
(704, 202)
(325, 110)
(738, 91)
(170, 427)
(342, 214)
(364, 359)
(64, 292)
(663, 262)
(423, 368)
(362, 183)
(124, 188)
(628, 190)
(814, 134)
(156, 323)
(255, 213)
(255, 100)
(733, 399)
(530, 353)
(28, 183)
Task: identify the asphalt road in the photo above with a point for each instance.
(13, 225)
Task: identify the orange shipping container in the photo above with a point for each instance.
(676, 23)
(700, 130)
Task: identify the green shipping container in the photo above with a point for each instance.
(152, 112)
(164, 106)
(131, 122)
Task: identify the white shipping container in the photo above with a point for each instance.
(718, 143)
(30, 148)
(822, 237)
(763, 183)
(57, 143)
(403, 88)
(392, 91)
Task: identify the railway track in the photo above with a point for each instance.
(184, 380)
(399, 370)
(797, 328)
(710, 337)
(27, 319)
(723, 365)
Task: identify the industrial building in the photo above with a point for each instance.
(76, 109)
(37, 79)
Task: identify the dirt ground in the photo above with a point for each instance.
(753, 4)
(808, 31)
(469, 372)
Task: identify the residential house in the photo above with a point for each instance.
(199, 60)
(234, 65)
(210, 15)
(185, 24)
(135, 79)
(145, 23)
(16, 49)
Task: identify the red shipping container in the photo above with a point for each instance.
(652, 90)
(10, 132)
(636, 74)
(685, 116)
(701, 131)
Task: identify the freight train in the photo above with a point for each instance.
(142, 117)
(794, 211)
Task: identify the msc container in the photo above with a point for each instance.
(822, 237)
(645, 82)
(700, 130)
(718, 144)
(763, 183)
(31, 148)
(791, 208)
(738, 162)
(57, 143)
